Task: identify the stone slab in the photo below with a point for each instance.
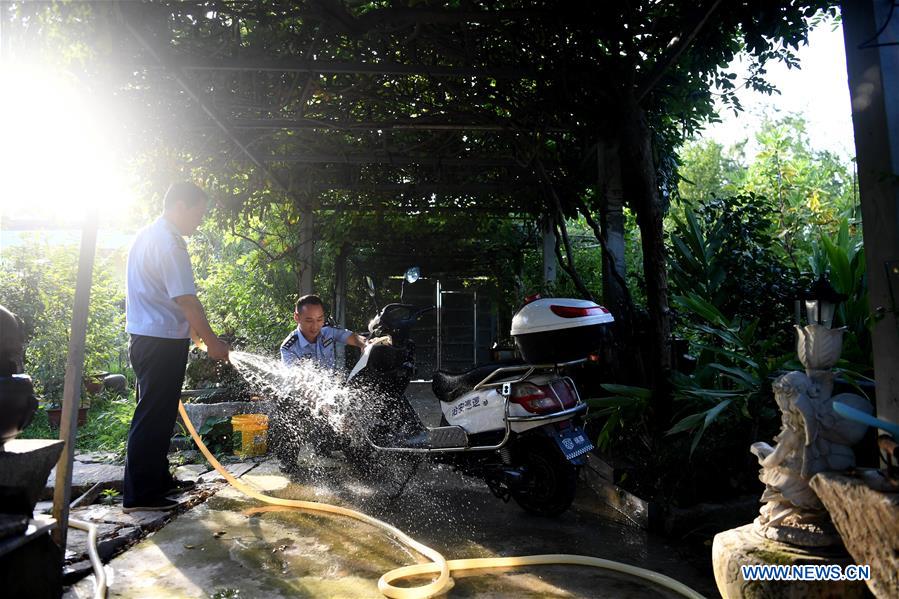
(75, 571)
(191, 471)
(110, 540)
(868, 523)
(742, 546)
(86, 475)
(113, 514)
(236, 470)
(108, 546)
(268, 465)
(97, 457)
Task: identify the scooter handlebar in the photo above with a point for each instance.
(390, 318)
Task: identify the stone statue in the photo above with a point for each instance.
(812, 439)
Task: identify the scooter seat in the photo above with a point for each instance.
(449, 386)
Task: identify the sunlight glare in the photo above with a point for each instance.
(57, 151)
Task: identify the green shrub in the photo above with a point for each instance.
(37, 282)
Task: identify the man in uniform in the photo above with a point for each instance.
(162, 314)
(312, 340)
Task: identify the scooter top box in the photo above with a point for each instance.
(558, 329)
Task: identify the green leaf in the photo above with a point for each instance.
(702, 308)
(628, 391)
(737, 374)
(686, 424)
(616, 401)
(710, 417)
(840, 273)
(605, 435)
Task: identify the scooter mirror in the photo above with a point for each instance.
(371, 285)
(413, 274)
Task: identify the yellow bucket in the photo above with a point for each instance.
(250, 434)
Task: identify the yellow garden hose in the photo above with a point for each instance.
(439, 564)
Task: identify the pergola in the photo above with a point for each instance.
(348, 108)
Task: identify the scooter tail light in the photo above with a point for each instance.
(577, 312)
(564, 391)
(534, 399)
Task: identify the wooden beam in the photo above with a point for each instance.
(415, 188)
(184, 81)
(395, 159)
(338, 67)
(407, 125)
(505, 211)
(439, 16)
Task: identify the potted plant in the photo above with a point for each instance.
(93, 383)
(54, 411)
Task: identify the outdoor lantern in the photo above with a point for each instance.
(821, 302)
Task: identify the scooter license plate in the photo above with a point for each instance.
(572, 441)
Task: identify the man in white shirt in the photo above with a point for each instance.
(162, 314)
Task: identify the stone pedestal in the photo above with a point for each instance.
(868, 522)
(742, 546)
(24, 465)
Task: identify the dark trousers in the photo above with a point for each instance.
(159, 365)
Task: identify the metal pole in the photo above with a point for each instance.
(475, 335)
(439, 325)
(71, 395)
(340, 299)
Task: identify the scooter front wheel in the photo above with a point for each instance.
(549, 482)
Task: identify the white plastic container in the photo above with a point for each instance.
(555, 330)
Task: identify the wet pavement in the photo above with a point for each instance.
(231, 546)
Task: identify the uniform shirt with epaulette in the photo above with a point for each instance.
(296, 348)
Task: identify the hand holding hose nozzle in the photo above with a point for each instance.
(216, 349)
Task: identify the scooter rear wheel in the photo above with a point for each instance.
(550, 480)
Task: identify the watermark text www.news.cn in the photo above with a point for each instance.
(805, 572)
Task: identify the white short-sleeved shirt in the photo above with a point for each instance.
(158, 271)
(296, 347)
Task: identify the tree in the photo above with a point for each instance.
(812, 190)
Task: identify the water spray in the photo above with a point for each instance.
(439, 564)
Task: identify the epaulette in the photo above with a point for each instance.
(290, 341)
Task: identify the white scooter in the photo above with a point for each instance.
(517, 427)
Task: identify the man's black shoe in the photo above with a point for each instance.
(154, 505)
(180, 486)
